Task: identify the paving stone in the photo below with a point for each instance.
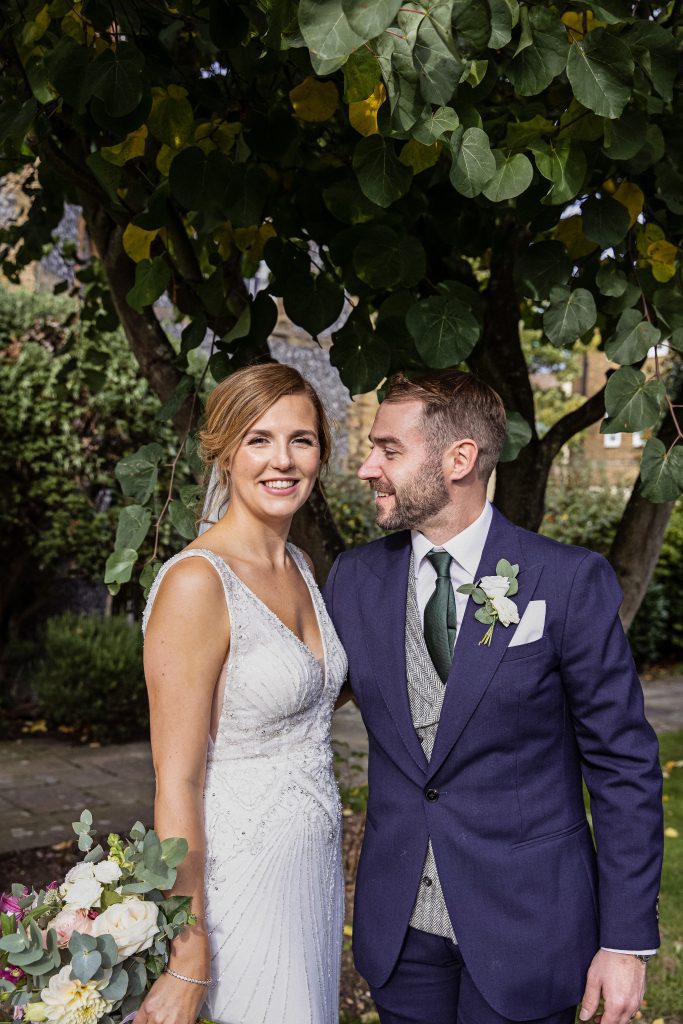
(45, 799)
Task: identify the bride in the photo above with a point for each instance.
(243, 669)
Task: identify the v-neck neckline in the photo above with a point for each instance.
(322, 661)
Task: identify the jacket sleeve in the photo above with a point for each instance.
(619, 754)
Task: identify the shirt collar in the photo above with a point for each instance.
(466, 547)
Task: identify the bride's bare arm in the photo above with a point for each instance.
(186, 645)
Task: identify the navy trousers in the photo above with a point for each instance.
(431, 985)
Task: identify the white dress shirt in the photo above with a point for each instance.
(466, 550)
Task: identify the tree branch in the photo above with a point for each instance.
(590, 412)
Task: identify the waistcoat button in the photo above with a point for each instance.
(432, 794)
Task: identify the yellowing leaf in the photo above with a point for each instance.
(35, 29)
(630, 196)
(251, 240)
(165, 159)
(314, 100)
(662, 252)
(348, 930)
(363, 114)
(418, 156)
(671, 833)
(137, 242)
(223, 238)
(570, 232)
(577, 26)
(646, 235)
(77, 28)
(132, 146)
(662, 257)
(221, 134)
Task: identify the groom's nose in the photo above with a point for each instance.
(369, 470)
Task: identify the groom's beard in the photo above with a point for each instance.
(416, 502)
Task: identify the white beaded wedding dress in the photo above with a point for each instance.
(273, 875)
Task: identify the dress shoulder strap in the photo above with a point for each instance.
(300, 559)
(211, 556)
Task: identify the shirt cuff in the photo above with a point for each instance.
(631, 952)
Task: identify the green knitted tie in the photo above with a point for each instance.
(440, 619)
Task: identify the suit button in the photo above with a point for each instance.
(427, 881)
(432, 794)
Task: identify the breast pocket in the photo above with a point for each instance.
(525, 675)
(532, 650)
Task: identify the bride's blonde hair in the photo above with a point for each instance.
(236, 403)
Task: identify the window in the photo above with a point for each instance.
(612, 440)
(637, 439)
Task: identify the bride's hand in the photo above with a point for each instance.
(171, 1001)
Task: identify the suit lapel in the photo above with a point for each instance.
(383, 600)
(473, 664)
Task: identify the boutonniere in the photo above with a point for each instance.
(494, 593)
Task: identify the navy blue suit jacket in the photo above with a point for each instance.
(530, 897)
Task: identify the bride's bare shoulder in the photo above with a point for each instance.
(190, 588)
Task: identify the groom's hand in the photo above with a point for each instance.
(620, 979)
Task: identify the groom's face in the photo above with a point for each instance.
(404, 471)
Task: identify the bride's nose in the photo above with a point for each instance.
(282, 455)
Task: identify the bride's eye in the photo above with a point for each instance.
(304, 440)
(257, 440)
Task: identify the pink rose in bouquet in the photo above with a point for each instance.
(69, 921)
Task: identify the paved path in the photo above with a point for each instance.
(44, 784)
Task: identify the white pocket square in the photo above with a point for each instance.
(531, 624)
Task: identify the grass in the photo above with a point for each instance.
(664, 998)
(665, 973)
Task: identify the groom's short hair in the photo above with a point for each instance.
(456, 405)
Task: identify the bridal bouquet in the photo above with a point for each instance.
(87, 949)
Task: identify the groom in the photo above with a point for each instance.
(480, 896)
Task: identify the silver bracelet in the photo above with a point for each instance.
(192, 981)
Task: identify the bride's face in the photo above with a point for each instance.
(277, 462)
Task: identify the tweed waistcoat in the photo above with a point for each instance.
(426, 694)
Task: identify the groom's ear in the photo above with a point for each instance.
(460, 459)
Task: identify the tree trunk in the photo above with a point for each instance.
(521, 485)
(638, 540)
(636, 548)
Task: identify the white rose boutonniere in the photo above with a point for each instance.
(493, 593)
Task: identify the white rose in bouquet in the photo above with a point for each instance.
(132, 925)
(505, 609)
(78, 871)
(107, 871)
(494, 586)
(69, 1001)
(82, 891)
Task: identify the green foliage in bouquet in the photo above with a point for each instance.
(100, 970)
(91, 678)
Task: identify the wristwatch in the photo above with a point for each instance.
(643, 957)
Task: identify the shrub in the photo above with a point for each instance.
(91, 678)
(353, 509)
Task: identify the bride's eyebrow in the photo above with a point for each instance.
(303, 432)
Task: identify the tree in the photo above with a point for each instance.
(448, 168)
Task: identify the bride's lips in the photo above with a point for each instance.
(275, 486)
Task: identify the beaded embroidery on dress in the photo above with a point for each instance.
(273, 874)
